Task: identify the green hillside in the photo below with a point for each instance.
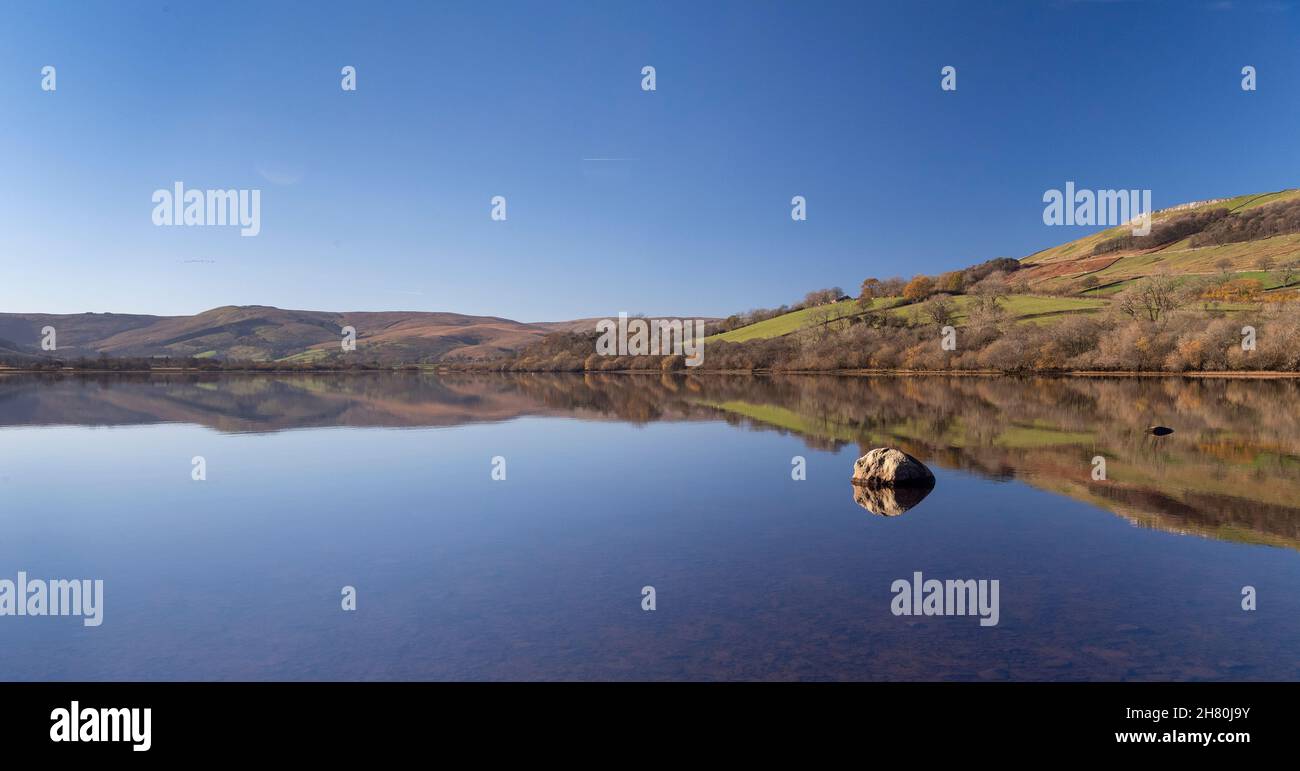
(796, 320)
(1081, 277)
(1020, 307)
(1017, 308)
(1062, 268)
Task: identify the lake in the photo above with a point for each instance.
(384, 482)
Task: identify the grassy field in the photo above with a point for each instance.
(1017, 307)
(1269, 280)
(1181, 259)
(1082, 247)
(1063, 267)
(305, 357)
(792, 322)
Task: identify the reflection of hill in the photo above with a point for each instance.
(256, 402)
(1231, 471)
(1223, 517)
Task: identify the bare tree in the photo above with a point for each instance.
(892, 287)
(994, 285)
(1152, 299)
(940, 309)
(820, 322)
(987, 298)
(822, 297)
(1290, 272)
(870, 290)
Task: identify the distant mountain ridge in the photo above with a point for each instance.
(264, 333)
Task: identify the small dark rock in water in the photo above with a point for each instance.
(1160, 430)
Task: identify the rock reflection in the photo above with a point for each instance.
(1233, 472)
(890, 501)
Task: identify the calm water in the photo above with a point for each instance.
(383, 482)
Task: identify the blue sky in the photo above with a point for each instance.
(378, 199)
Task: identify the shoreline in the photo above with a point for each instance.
(408, 369)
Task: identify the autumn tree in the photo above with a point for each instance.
(952, 282)
(919, 288)
(1237, 290)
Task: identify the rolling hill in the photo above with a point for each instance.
(1064, 267)
(1082, 275)
(262, 333)
(1026, 307)
(1222, 237)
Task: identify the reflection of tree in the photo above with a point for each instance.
(1206, 478)
(1231, 469)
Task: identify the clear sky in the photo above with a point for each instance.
(378, 199)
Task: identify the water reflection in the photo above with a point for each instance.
(889, 501)
(1231, 471)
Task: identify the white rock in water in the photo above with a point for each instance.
(887, 467)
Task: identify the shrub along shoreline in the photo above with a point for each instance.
(1191, 341)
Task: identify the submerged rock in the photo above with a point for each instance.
(888, 467)
(1159, 430)
(890, 501)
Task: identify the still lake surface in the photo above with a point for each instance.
(615, 482)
